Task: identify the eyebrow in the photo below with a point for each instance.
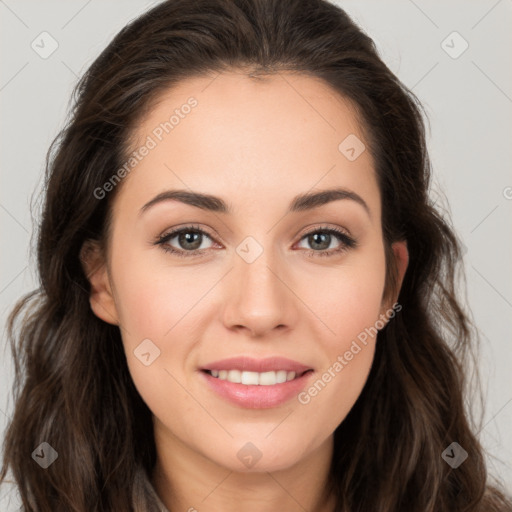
(299, 203)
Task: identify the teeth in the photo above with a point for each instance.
(281, 376)
(254, 378)
(249, 378)
(234, 376)
(268, 378)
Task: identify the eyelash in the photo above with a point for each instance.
(346, 242)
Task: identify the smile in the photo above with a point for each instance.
(256, 390)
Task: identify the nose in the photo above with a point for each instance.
(258, 297)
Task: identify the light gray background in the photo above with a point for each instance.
(468, 100)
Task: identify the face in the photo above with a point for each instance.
(256, 273)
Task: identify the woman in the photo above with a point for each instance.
(247, 299)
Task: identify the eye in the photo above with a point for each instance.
(321, 239)
(188, 240)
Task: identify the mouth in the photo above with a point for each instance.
(247, 378)
(254, 383)
(256, 390)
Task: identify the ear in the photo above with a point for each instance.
(101, 297)
(400, 254)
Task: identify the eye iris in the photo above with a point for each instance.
(190, 240)
(314, 240)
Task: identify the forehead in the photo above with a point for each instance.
(295, 105)
(273, 134)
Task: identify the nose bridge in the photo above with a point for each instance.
(258, 298)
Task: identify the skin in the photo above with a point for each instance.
(256, 144)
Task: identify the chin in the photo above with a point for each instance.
(260, 455)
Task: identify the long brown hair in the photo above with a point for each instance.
(72, 387)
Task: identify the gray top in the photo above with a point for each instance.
(144, 496)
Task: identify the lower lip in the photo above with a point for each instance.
(257, 397)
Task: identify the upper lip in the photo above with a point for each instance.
(249, 364)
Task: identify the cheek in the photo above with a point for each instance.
(357, 312)
(349, 304)
(154, 300)
(352, 314)
(156, 309)
(154, 306)
(348, 299)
